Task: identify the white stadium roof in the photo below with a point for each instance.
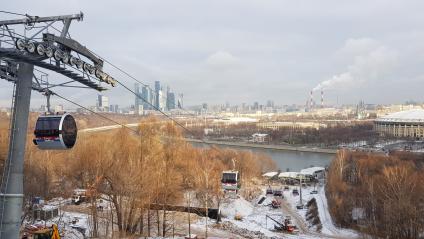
(416, 115)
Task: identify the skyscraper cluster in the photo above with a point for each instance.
(157, 98)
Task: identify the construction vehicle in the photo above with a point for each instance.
(41, 232)
(275, 203)
(286, 226)
(79, 196)
(238, 217)
(87, 195)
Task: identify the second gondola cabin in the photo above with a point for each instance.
(230, 181)
(55, 132)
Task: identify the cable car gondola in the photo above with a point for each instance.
(55, 131)
(230, 181)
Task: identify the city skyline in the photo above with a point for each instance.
(155, 98)
(219, 58)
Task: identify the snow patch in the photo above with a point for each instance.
(235, 207)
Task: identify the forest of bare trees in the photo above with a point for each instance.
(133, 171)
(381, 195)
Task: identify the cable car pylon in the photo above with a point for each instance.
(18, 56)
(11, 195)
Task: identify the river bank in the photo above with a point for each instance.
(265, 146)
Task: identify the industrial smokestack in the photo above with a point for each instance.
(322, 98)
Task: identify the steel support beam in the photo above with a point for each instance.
(11, 197)
(35, 19)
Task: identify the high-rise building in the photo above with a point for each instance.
(138, 101)
(255, 106)
(170, 102)
(102, 103)
(160, 97)
(158, 94)
(114, 108)
(270, 103)
(156, 98)
(166, 98)
(180, 104)
(205, 106)
(163, 100)
(152, 98)
(136, 91)
(145, 95)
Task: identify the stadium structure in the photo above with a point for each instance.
(402, 124)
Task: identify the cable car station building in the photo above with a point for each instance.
(402, 124)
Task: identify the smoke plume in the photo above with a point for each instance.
(373, 63)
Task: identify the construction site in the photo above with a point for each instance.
(276, 205)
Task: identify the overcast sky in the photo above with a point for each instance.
(246, 51)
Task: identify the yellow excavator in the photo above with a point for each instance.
(43, 233)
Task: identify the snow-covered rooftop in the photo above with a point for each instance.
(288, 175)
(270, 174)
(311, 170)
(415, 115)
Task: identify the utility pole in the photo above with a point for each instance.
(207, 210)
(189, 220)
(300, 190)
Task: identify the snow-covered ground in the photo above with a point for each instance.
(75, 225)
(73, 221)
(328, 226)
(254, 222)
(254, 216)
(71, 225)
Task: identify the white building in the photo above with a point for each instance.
(294, 125)
(316, 172)
(103, 103)
(259, 138)
(270, 174)
(289, 175)
(408, 123)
